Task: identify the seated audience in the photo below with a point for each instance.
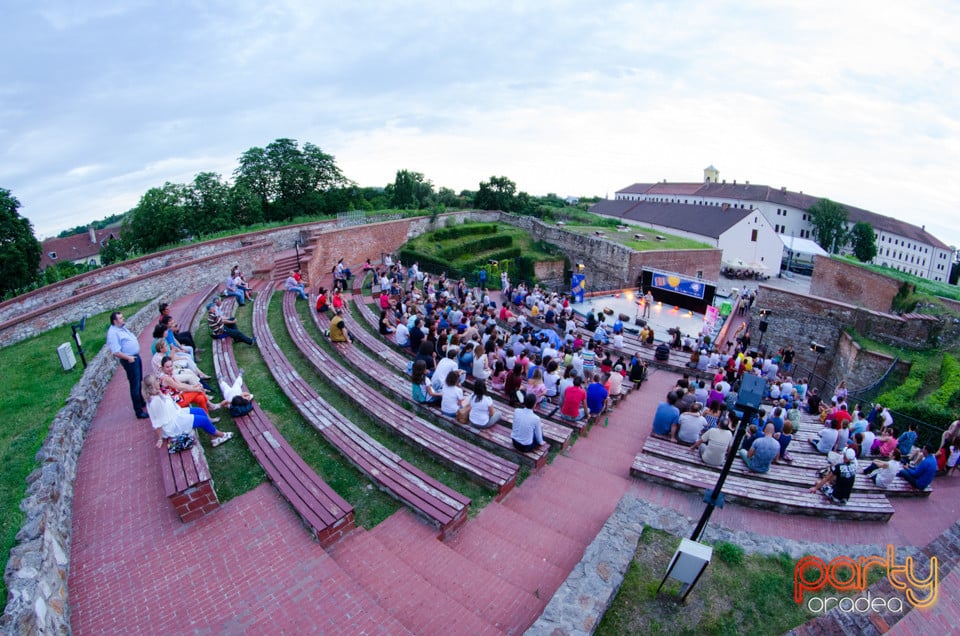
(762, 452)
(526, 434)
(170, 420)
(838, 483)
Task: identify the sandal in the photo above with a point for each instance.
(226, 437)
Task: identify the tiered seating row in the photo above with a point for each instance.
(756, 492)
(439, 504)
(326, 514)
(495, 438)
(480, 465)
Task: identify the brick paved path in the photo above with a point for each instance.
(250, 566)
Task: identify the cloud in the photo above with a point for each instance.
(853, 101)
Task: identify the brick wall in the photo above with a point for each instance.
(706, 262)
(861, 368)
(169, 278)
(852, 284)
(798, 319)
(195, 502)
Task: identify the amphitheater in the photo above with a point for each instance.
(103, 551)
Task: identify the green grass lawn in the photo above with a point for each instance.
(738, 594)
(649, 241)
(35, 389)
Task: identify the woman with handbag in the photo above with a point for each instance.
(171, 421)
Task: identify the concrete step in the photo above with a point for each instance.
(402, 591)
(497, 601)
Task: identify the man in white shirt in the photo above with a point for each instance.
(126, 349)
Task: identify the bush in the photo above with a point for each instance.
(457, 231)
(946, 395)
(475, 247)
(729, 553)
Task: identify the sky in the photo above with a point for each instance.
(856, 101)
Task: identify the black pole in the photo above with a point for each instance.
(713, 497)
(76, 339)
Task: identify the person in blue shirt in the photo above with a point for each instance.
(666, 419)
(596, 397)
(906, 440)
(921, 475)
(762, 452)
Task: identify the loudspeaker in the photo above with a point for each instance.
(763, 326)
(640, 322)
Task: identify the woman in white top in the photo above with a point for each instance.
(482, 414)
(481, 368)
(170, 420)
(451, 396)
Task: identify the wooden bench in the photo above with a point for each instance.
(325, 513)
(187, 482)
(767, 495)
(479, 465)
(442, 506)
(783, 473)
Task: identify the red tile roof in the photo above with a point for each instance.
(75, 248)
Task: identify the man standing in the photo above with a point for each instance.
(647, 304)
(126, 348)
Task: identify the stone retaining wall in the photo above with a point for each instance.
(36, 574)
(131, 281)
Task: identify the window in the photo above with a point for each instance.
(52, 255)
(776, 228)
(753, 236)
(699, 273)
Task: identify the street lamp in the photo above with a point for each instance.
(764, 313)
(818, 349)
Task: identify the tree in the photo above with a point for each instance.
(411, 191)
(287, 180)
(829, 221)
(114, 251)
(206, 205)
(157, 220)
(863, 241)
(19, 248)
(497, 194)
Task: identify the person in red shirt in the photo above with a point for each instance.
(574, 405)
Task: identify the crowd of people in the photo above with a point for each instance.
(459, 336)
(176, 395)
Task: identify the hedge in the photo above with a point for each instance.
(949, 389)
(463, 230)
(475, 247)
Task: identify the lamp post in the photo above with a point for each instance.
(818, 349)
(76, 329)
(764, 313)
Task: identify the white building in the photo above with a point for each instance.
(900, 245)
(742, 233)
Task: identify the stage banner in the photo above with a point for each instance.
(710, 320)
(677, 284)
(578, 285)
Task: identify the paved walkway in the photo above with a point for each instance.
(250, 566)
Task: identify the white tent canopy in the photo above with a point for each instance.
(802, 246)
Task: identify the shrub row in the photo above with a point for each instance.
(475, 247)
(948, 392)
(463, 230)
